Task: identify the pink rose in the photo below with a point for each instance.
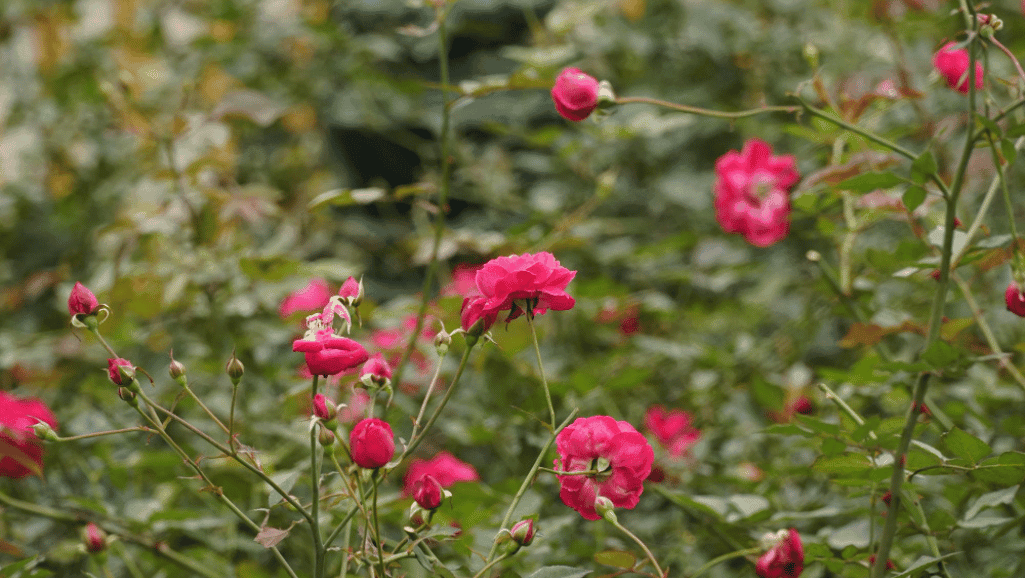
(444, 467)
(575, 94)
(464, 279)
(95, 538)
(672, 429)
(329, 354)
(356, 408)
(427, 492)
(17, 418)
(350, 289)
(114, 371)
(472, 311)
(621, 455)
(323, 408)
(376, 369)
(1015, 299)
(313, 297)
(953, 65)
(371, 443)
(81, 301)
(752, 193)
(785, 559)
(538, 280)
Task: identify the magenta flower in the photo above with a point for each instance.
(785, 558)
(310, 298)
(620, 455)
(575, 94)
(752, 193)
(672, 429)
(537, 280)
(371, 443)
(952, 63)
(82, 301)
(329, 354)
(17, 418)
(114, 371)
(427, 492)
(1015, 299)
(444, 467)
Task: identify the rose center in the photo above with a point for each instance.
(603, 467)
(760, 187)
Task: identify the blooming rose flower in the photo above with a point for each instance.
(1015, 299)
(372, 443)
(953, 65)
(622, 456)
(329, 354)
(785, 558)
(575, 94)
(427, 492)
(473, 311)
(752, 193)
(81, 301)
(536, 279)
(444, 467)
(17, 416)
(114, 371)
(672, 429)
(464, 280)
(310, 298)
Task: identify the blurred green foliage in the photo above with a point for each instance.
(193, 162)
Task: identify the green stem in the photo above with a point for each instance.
(936, 318)
(443, 192)
(415, 441)
(427, 396)
(490, 565)
(377, 525)
(96, 331)
(318, 547)
(141, 428)
(716, 561)
(705, 111)
(224, 450)
(991, 339)
(848, 410)
(541, 367)
(217, 491)
(612, 520)
(530, 477)
(345, 549)
(195, 398)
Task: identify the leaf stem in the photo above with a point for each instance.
(704, 111)
(541, 367)
(716, 561)
(647, 552)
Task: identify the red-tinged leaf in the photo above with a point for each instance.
(870, 333)
(269, 537)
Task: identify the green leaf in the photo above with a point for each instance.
(997, 498)
(1008, 151)
(1001, 470)
(285, 481)
(940, 355)
(559, 572)
(616, 559)
(843, 465)
(923, 167)
(966, 446)
(832, 447)
(871, 181)
(922, 563)
(913, 197)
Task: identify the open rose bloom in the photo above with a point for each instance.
(785, 556)
(17, 416)
(536, 281)
(445, 468)
(672, 429)
(752, 193)
(621, 456)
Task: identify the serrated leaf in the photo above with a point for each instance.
(923, 562)
(923, 167)
(870, 181)
(966, 446)
(559, 572)
(616, 559)
(940, 355)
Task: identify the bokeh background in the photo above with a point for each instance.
(195, 161)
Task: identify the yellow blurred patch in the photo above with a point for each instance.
(633, 10)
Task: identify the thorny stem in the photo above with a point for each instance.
(1010, 55)
(141, 428)
(936, 317)
(639, 542)
(541, 367)
(195, 398)
(160, 548)
(705, 111)
(377, 524)
(446, 183)
(318, 547)
(530, 477)
(1002, 179)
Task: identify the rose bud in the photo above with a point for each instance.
(95, 538)
(1015, 299)
(376, 372)
(82, 301)
(427, 492)
(120, 371)
(523, 532)
(235, 370)
(352, 292)
(372, 443)
(785, 555)
(324, 409)
(575, 94)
